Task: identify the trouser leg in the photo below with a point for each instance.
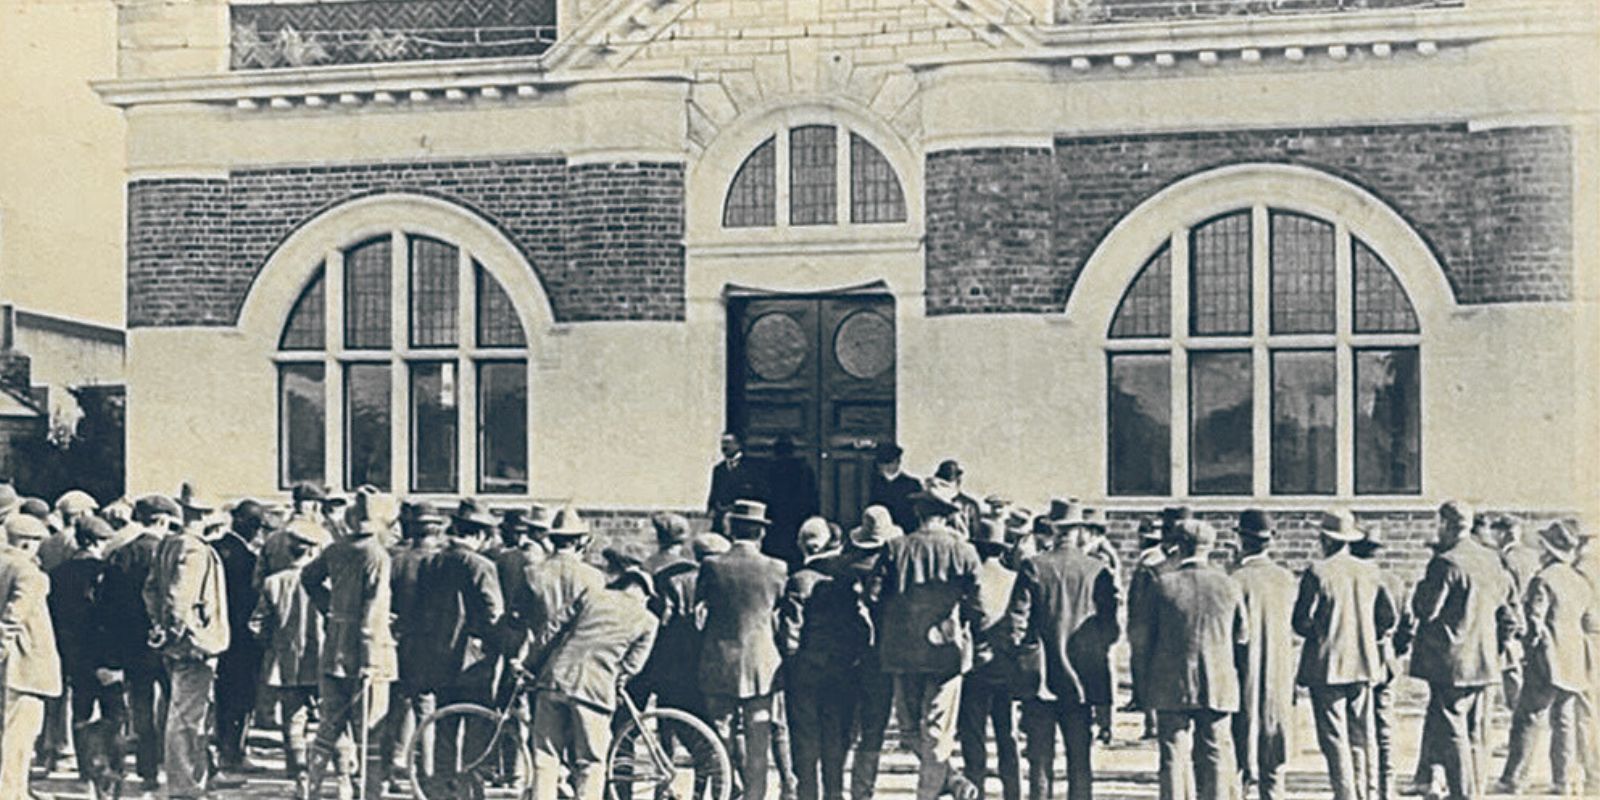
(235, 700)
(142, 713)
(82, 705)
(1213, 756)
(782, 752)
(930, 704)
(1002, 715)
(1383, 739)
(186, 739)
(1527, 728)
(24, 719)
(1456, 710)
(1039, 726)
(971, 729)
(1330, 711)
(294, 711)
(1077, 722)
(805, 734)
(549, 744)
(1563, 740)
(874, 703)
(836, 709)
(1175, 741)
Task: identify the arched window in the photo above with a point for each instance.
(1264, 352)
(808, 160)
(425, 344)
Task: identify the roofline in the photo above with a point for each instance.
(70, 327)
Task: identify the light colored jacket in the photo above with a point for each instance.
(594, 644)
(1561, 614)
(186, 597)
(1343, 610)
(32, 665)
(290, 628)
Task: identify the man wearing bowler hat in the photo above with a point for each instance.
(1065, 603)
(927, 585)
(739, 657)
(1560, 611)
(1266, 670)
(1192, 622)
(1343, 610)
(1158, 557)
(892, 488)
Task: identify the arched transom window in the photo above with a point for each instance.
(801, 169)
(395, 347)
(1264, 352)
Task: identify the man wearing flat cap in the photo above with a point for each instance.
(311, 503)
(1343, 610)
(892, 488)
(91, 666)
(127, 568)
(739, 657)
(927, 584)
(32, 670)
(291, 629)
(1459, 605)
(70, 507)
(1262, 728)
(1192, 622)
(1560, 612)
(1065, 603)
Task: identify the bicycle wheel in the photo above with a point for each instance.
(695, 764)
(467, 752)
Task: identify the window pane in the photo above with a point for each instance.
(1146, 309)
(367, 425)
(753, 195)
(1381, 304)
(1302, 274)
(1219, 283)
(302, 421)
(433, 427)
(1303, 403)
(304, 330)
(434, 266)
(503, 427)
(498, 325)
(1140, 425)
(874, 190)
(366, 295)
(1220, 454)
(1388, 422)
(813, 157)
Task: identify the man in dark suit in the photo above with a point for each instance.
(1158, 556)
(739, 657)
(873, 689)
(892, 488)
(1343, 610)
(1560, 612)
(1392, 647)
(128, 567)
(1266, 670)
(791, 498)
(1459, 606)
(733, 478)
(585, 652)
(928, 591)
(239, 665)
(1065, 602)
(1191, 624)
(986, 691)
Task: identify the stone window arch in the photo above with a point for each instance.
(814, 175)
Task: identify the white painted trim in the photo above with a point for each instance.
(201, 173)
(940, 144)
(897, 242)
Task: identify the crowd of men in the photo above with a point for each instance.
(171, 623)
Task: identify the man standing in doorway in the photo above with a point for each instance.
(733, 478)
(892, 488)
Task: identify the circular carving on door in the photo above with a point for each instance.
(775, 347)
(864, 344)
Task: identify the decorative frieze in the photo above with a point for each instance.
(279, 35)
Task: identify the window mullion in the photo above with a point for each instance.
(333, 436)
(1260, 369)
(842, 189)
(1344, 362)
(1180, 364)
(780, 176)
(400, 376)
(467, 382)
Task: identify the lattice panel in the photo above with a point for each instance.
(275, 35)
(306, 329)
(1146, 308)
(1302, 274)
(366, 295)
(1381, 304)
(498, 325)
(434, 268)
(1219, 285)
(753, 196)
(813, 176)
(875, 194)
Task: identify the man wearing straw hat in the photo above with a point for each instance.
(874, 688)
(1343, 610)
(350, 583)
(1560, 611)
(1266, 672)
(928, 586)
(739, 657)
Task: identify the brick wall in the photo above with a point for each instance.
(195, 247)
(1494, 206)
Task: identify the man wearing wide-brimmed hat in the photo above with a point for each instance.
(1262, 727)
(1392, 647)
(1193, 620)
(873, 689)
(1343, 610)
(1560, 611)
(987, 690)
(1460, 604)
(1065, 604)
(928, 580)
(739, 657)
(312, 504)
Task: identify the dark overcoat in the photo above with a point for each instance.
(1066, 602)
(1267, 663)
(1458, 607)
(1193, 622)
(928, 593)
(458, 608)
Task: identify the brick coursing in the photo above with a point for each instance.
(990, 243)
(1495, 206)
(196, 246)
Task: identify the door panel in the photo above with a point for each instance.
(822, 370)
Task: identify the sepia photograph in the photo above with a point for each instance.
(799, 399)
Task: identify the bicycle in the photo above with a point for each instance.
(655, 754)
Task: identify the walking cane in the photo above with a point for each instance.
(366, 727)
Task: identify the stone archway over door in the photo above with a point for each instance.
(819, 368)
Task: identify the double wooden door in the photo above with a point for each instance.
(822, 371)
